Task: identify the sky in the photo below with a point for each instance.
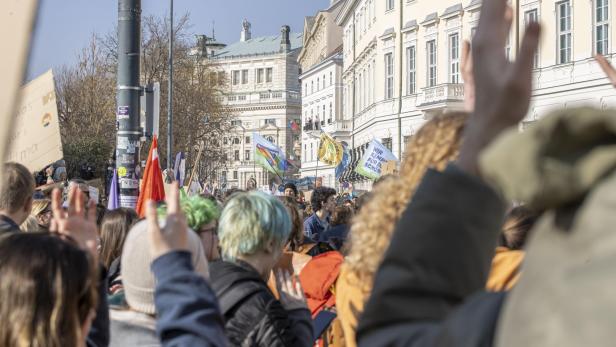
(64, 27)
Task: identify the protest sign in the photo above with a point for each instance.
(389, 168)
(35, 141)
(371, 164)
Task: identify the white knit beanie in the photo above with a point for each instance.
(137, 277)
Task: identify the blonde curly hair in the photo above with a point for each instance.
(435, 144)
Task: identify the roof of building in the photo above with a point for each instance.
(309, 23)
(452, 9)
(410, 24)
(474, 3)
(258, 46)
(432, 16)
(388, 31)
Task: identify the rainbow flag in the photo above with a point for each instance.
(268, 155)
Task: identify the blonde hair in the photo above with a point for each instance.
(39, 206)
(434, 146)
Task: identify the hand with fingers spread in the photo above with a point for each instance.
(75, 223)
(174, 236)
(502, 87)
(607, 68)
(290, 290)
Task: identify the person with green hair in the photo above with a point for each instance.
(202, 216)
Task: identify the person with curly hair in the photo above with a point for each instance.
(433, 147)
(323, 202)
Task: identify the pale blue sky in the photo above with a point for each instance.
(65, 26)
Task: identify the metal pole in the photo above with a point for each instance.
(128, 93)
(170, 95)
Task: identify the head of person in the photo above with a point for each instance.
(290, 190)
(254, 227)
(48, 291)
(518, 223)
(202, 216)
(435, 145)
(137, 278)
(114, 228)
(323, 199)
(342, 216)
(16, 192)
(41, 210)
(296, 238)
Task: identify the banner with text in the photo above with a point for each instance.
(35, 141)
(371, 163)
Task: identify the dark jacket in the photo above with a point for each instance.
(439, 256)
(187, 310)
(313, 226)
(7, 225)
(335, 236)
(98, 336)
(252, 314)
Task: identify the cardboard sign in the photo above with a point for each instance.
(371, 163)
(35, 141)
(389, 168)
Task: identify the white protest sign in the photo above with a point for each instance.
(371, 163)
(35, 141)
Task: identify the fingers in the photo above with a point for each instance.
(508, 20)
(173, 199)
(490, 22)
(56, 205)
(151, 215)
(607, 68)
(524, 62)
(91, 211)
(466, 56)
(79, 202)
(72, 198)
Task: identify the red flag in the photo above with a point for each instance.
(152, 187)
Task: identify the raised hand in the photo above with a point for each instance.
(466, 69)
(607, 68)
(290, 290)
(174, 236)
(75, 223)
(502, 87)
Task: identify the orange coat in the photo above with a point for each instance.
(505, 271)
(318, 278)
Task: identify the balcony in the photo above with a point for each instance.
(447, 95)
(338, 127)
(263, 97)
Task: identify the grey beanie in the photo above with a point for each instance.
(137, 277)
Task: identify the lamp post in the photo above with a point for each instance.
(170, 94)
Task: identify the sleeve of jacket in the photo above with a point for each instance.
(188, 313)
(98, 336)
(286, 328)
(440, 254)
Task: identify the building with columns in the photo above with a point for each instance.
(401, 62)
(264, 96)
(321, 80)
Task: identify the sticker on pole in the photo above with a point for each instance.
(122, 171)
(123, 112)
(129, 183)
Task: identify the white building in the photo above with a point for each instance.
(321, 80)
(402, 61)
(264, 95)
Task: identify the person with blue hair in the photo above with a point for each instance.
(253, 231)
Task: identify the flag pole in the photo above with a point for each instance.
(316, 171)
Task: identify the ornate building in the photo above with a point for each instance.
(264, 95)
(321, 63)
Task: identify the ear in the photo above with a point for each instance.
(269, 247)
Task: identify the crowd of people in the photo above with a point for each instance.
(487, 236)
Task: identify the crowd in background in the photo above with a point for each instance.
(488, 236)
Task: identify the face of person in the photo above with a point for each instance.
(330, 204)
(209, 240)
(289, 192)
(44, 218)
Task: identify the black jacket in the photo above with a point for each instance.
(253, 316)
(428, 290)
(7, 225)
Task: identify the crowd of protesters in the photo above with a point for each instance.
(487, 236)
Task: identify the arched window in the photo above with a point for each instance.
(236, 141)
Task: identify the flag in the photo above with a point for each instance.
(114, 194)
(180, 168)
(330, 151)
(152, 187)
(268, 155)
(294, 126)
(344, 163)
(376, 155)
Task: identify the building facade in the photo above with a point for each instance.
(401, 62)
(264, 96)
(321, 80)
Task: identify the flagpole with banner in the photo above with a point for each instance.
(269, 156)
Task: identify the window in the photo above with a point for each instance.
(311, 152)
(244, 76)
(305, 89)
(387, 143)
(260, 75)
(389, 75)
(221, 77)
(247, 140)
(236, 155)
(318, 83)
(389, 5)
(235, 77)
(234, 175)
(508, 47)
(331, 78)
(271, 139)
(269, 72)
(529, 17)
(406, 140)
(431, 51)
(330, 112)
(323, 81)
(601, 26)
(411, 72)
(271, 121)
(247, 155)
(311, 87)
(225, 141)
(454, 58)
(235, 123)
(324, 114)
(563, 10)
(236, 140)
(305, 152)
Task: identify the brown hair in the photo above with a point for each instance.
(114, 228)
(17, 187)
(434, 146)
(342, 215)
(48, 290)
(296, 238)
(518, 223)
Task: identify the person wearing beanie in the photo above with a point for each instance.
(135, 324)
